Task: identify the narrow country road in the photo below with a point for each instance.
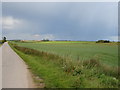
(0, 68)
(14, 71)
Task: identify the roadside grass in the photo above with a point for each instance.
(0, 44)
(59, 72)
(51, 73)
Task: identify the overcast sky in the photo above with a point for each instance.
(0, 21)
(72, 21)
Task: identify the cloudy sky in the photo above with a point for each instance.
(0, 21)
(64, 21)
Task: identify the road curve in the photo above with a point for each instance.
(14, 71)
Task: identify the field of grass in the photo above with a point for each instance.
(106, 53)
(0, 43)
(48, 61)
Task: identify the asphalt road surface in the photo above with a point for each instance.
(14, 71)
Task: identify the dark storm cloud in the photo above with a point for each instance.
(75, 21)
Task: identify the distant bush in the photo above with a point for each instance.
(103, 41)
(45, 40)
(4, 39)
(16, 40)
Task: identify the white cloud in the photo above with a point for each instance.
(47, 36)
(114, 38)
(0, 21)
(28, 36)
(10, 23)
(36, 35)
(43, 36)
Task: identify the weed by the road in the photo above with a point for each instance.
(65, 72)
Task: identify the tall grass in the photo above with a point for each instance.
(83, 74)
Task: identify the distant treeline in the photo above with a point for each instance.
(46, 40)
(103, 41)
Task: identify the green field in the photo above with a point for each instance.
(106, 53)
(71, 64)
(0, 44)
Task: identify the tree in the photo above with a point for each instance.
(4, 39)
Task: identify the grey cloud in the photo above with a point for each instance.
(83, 21)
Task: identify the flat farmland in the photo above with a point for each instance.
(105, 53)
(71, 64)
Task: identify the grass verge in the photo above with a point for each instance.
(60, 72)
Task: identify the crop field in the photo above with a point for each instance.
(71, 64)
(106, 53)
